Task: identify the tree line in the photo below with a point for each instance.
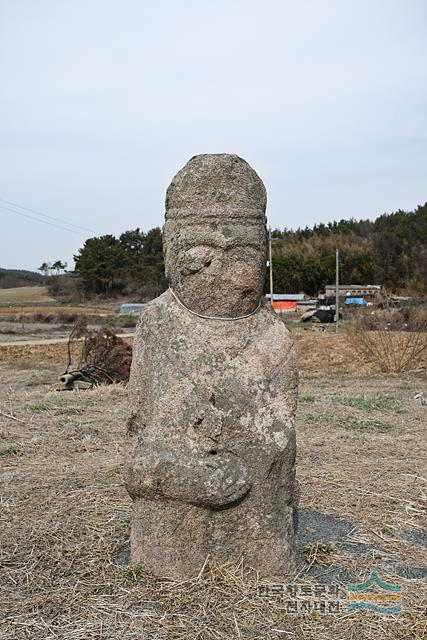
(131, 264)
(392, 251)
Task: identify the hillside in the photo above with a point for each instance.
(10, 278)
(391, 250)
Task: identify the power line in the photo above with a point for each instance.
(45, 215)
(51, 224)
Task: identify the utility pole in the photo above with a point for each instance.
(270, 264)
(337, 290)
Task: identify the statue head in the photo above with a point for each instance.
(215, 237)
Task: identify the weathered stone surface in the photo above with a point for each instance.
(211, 440)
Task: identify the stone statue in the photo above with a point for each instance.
(213, 390)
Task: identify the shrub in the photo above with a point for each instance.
(395, 340)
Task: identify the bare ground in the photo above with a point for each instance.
(65, 513)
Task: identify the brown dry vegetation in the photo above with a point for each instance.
(316, 352)
(19, 295)
(56, 310)
(65, 513)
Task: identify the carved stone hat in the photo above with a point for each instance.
(211, 187)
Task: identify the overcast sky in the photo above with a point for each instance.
(103, 101)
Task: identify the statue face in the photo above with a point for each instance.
(216, 269)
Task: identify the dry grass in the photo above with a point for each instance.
(18, 295)
(316, 352)
(65, 516)
(328, 352)
(54, 310)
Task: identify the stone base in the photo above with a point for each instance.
(170, 539)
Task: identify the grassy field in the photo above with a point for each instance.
(37, 300)
(65, 513)
(26, 306)
(24, 295)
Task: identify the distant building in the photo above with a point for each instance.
(354, 290)
(283, 302)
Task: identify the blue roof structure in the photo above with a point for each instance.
(356, 300)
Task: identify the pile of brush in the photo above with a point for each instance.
(103, 358)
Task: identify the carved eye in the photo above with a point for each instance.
(194, 263)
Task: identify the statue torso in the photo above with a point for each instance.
(210, 383)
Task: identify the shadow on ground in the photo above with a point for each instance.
(312, 527)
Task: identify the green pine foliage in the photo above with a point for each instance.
(132, 263)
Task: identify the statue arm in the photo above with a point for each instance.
(213, 480)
